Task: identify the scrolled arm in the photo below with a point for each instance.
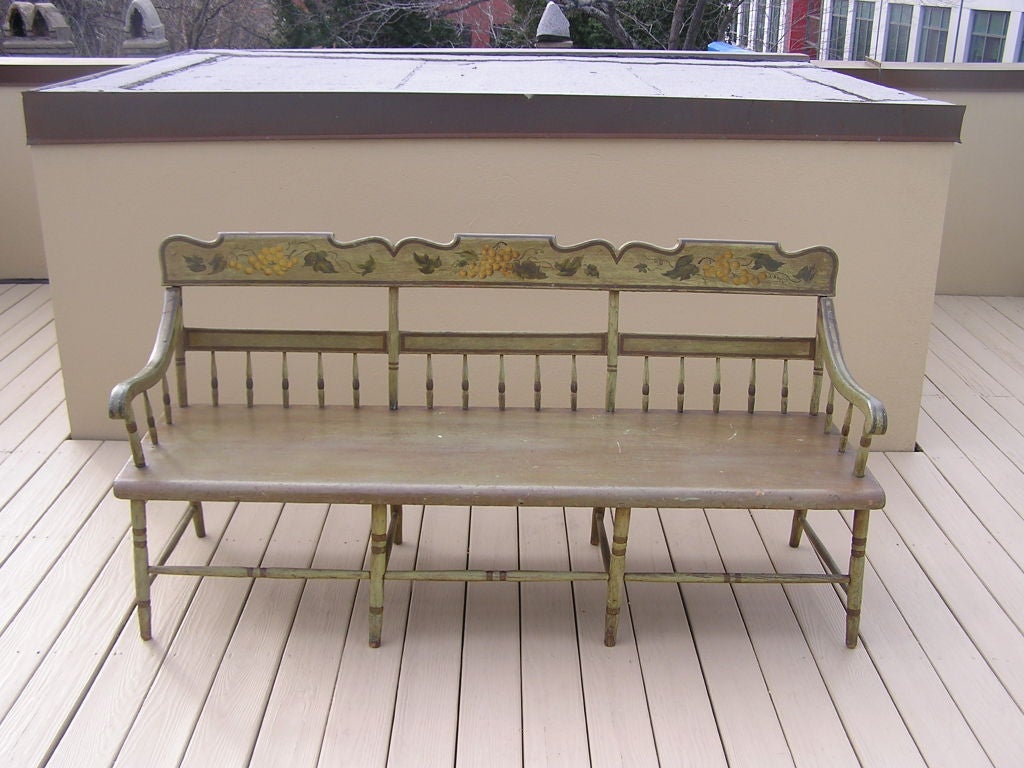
(122, 395)
(875, 419)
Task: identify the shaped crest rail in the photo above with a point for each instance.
(498, 261)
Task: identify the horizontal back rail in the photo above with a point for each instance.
(667, 345)
(498, 261)
(504, 343)
(231, 340)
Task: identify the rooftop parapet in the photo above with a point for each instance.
(249, 95)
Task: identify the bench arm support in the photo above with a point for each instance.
(875, 419)
(123, 394)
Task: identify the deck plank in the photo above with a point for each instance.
(296, 715)
(246, 675)
(24, 329)
(57, 598)
(17, 294)
(57, 530)
(986, 503)
(618, 723)
(554, 717)
(747, 719)
(984, 620)
(873, 723)
(33, 452)
(813, 728)
(427, 705)
(123, 672)
(930, 712)
(682, 717)
(67, 646)
(358, 731)
(525, 679)
(990, 461)
(23, 385)
(986, 704)
(988, 359)
(16, 428)
(27, 353)
(35, 297)
(490, 729)
(165, 722)
(108, 709)
(19, 515)
(1002, 577)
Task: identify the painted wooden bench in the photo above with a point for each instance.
(609, 458)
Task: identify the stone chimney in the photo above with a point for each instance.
(143, 30)
(36, 29)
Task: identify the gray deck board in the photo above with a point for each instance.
(938, 679)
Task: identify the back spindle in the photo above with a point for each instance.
(681, 386)
(166, 395)
(574, 385)
(785, 387)
(536, 382)
(214, 383)
(845, 433)
(320, 385)
(284, 380)
(752, 386)
(430, 381)
(830, 408)
(355, 380)
(248, 379)
(465, 382)
(501, 382)
(150, 419)
(645, 390)
(716, 390)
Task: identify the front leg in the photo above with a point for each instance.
(616, 567)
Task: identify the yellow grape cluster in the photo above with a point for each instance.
(493, 260)
(271, 260)
(729, 270)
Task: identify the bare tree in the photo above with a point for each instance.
(194, 24)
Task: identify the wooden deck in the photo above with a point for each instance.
(278, 673)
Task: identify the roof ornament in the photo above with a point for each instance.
(553, 29)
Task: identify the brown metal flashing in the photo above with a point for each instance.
(15, 73)
(65, 117)
(917, 78)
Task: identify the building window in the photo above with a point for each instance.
(742, 24)
(759, 25)
(897, 34)
(988, 35)
(931, 43)
(774, 26)
(863, 22)
(837, 29)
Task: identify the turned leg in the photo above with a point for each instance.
(378, 564)
(797, 531)
(196, 509)
(620, 533)
(140, 561)
(596, 521)
(855, 592)
(396, 522)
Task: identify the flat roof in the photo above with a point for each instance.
(282, 94)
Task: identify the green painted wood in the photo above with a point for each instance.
(497, 260)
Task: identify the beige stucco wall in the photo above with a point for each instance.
(981, 252)
(106, 208)
(21, 240)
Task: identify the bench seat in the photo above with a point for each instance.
(489, 457)
(776, 454)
